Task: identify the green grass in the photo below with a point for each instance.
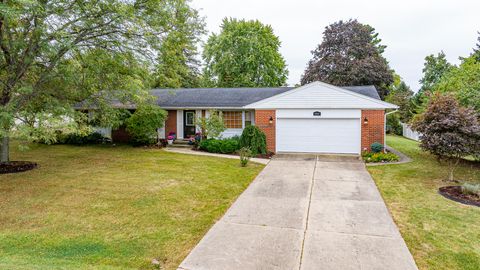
(441, 234)
(112, 207)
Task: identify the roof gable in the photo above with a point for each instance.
(320, 95)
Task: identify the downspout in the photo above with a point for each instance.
(385, 127)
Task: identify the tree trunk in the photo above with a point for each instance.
(4, 149)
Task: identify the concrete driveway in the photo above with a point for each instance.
(305, 212)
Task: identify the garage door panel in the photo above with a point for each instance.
(318, 135)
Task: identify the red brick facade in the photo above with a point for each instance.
(374, 130)
(171, 122)
(262, 120)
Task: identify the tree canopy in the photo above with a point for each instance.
(350, 54)
(178, 65)
(55, 54)
(401, 96)
(464, 82)
(244, 54)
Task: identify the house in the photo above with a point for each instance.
(317, 117)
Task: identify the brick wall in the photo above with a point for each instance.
(171, 122)
(374, 130)
(262, 120)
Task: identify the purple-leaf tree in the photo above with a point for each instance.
(449, 131)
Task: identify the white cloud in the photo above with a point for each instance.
(411, 29)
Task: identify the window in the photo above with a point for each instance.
(248, 119)
(189, 118)
(232, 119)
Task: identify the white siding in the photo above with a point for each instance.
(230, 132)
(320, 95)
(324, 113)
(105, 131)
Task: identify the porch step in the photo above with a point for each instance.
(180, 141)
(179, 145)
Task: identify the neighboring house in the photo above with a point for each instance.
(316, 117)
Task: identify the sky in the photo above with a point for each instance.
(410, 29)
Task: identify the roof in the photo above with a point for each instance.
(322, 95)
(366, 90)
(213, 97)
(231, 97)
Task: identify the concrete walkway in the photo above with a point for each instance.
(201, 153)
(305, 213)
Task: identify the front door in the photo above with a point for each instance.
(188, 124)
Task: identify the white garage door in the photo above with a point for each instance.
(318, 135)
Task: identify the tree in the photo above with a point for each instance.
(178, 65)
(144, 122)
(433, 70)
(448, 130)
(476, 51)
(464, 82)
(401, 96)
(211, 126)
(350, 54)
(244, 54)
(55, 54)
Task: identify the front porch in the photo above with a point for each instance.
(182, 122)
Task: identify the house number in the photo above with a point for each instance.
(317, 113)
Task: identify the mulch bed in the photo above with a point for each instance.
(16, 166)
(454, 193)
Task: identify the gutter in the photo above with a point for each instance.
(385, 127)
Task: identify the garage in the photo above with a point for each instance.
(318, 135)
(322, 118)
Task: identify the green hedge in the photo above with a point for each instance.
(223, 146)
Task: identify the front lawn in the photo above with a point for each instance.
(441, 234)
(103, 207)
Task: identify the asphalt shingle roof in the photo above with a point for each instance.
(366, 90)
(230, 97)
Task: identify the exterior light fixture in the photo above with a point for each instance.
(365, 121)
(270, 120)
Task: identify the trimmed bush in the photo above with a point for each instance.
(254, 139)
(472, 189)
(376, 147)
(223, 146)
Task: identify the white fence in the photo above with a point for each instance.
(409, 133)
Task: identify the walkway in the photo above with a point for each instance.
(305, 213)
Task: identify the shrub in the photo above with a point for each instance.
(77, 139)
(393, 125)
(144, 122)
(245, 155)
(471, 189)
(223, 146)
(254, 139)
(376, 147)
(379, 157)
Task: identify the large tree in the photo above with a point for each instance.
(178, 65)
(464, 82)
(434, 68)
(54, 54)
(244, 54)
(476, 51)
(350, 54)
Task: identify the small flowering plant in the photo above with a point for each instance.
(170, 138)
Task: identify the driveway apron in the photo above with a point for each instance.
(305, 212)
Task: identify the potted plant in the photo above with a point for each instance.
(170, 139)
